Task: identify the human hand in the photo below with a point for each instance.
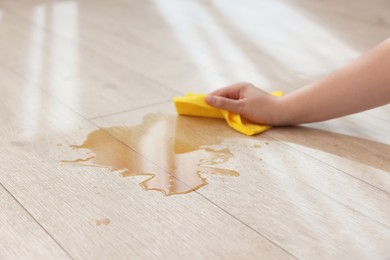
(250, 102)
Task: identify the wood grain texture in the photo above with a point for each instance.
(21, 236)
(68, 68)
(292, 186)
(69, 202)
(184, 34)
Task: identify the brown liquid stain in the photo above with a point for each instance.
(175, 153)
(102, 222)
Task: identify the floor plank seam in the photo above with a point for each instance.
(329, 165)
(333, 199)
(38, 223)
(128, 110)
(247, 225)
(71, 109)
(91, 122)
(338, 202)
(87, 46)
(93, 82)
(237, 219)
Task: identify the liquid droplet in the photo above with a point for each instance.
(102, 222)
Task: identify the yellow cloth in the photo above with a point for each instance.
(195, 105)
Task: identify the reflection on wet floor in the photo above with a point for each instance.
(174, 152)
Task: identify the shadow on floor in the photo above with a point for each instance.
(371, 153)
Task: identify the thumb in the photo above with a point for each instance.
(223, 103)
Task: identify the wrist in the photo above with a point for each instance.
(282, 115)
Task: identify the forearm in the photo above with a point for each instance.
(361, 85)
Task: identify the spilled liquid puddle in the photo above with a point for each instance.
(174, 153)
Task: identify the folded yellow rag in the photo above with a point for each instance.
(195, 105)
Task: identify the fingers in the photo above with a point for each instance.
(233, 91)
(224, 103)
(229, 98)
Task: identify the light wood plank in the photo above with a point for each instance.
(74, 74)
(319, 191)
(176, 54)
(282, 187)
(357, 145)
(21, 236)
(362, 125)
(374, 13)
(93, 213)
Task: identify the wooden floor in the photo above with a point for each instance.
(73, 68)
